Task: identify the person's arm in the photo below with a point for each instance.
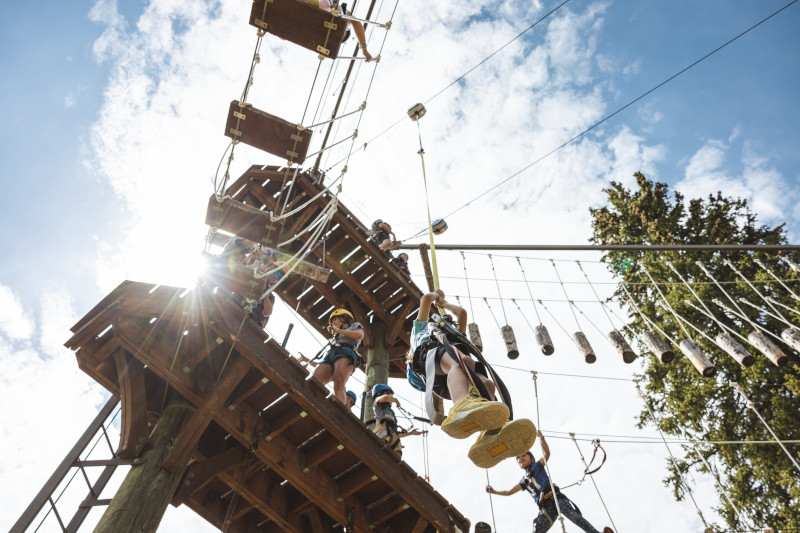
(425, 305)
(388, 399)
(414, 431)
(545, 448)
(513, 490)
(458, 311)
(357, 334)
(358, 28)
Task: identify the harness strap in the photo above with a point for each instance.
(434, 404)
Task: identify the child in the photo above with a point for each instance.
(383, 236)
(350, 401)
(537, 483)
(471, 413)
(385, 419)
(342, 359)
(401, 261)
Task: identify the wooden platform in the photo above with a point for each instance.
(362, 279)
(271, 449)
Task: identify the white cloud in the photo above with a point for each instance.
(14, 322)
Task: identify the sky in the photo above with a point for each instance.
(114, 120)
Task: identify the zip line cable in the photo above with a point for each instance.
(619, 110)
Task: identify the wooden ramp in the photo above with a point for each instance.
(362, 278)
(271, 450)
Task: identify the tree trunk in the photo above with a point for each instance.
(377, 363)
(143, 497)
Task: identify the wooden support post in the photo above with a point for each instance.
(426, 264)
(133, 428)
(377, 363)
(145, 493)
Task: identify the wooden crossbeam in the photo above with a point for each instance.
(133, 427)
(322, 448)
(355, 481)
(199, 473)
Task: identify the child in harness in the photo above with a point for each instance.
(442, 362)
(385, 422)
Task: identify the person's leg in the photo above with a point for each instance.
(570, 512)
(457, 381)
(545, 520)
(385, 245)
(323, 373)
(342, 368)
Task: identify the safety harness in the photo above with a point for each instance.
(442, 334)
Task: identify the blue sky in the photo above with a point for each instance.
(114, 119)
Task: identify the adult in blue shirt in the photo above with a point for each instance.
(537, 483)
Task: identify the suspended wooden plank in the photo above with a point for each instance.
(300, 23)
(697, 358)
(267, 132)
(243, 221)
(735, 350)
(658, 346)
(621, 346)
(543, 340)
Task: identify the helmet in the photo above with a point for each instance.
(352, 395)
(381, 388)
(341, 312)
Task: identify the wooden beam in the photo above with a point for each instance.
(194, 428)
(355, 481)
(201, 472)
(133, 427)
(323, 447)
(279, 454)
(426, 264)
(399, 322)
(316, 522)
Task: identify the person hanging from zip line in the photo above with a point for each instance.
(358, 28)
(537, 483)
(383, 236)
(386, 427)
(341, 359)
(443, 357)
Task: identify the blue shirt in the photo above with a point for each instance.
(535, 480)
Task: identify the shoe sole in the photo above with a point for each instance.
(487, 417)
(513, 440)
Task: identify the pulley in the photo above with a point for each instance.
(439, 226)
(416, 112)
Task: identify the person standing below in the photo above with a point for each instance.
(386, 427)
(537, 483)
(342, 359)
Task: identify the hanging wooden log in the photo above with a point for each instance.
(267, 132)
(510, 340)
(768, 348)
(658, 346)
(792, 337)
(543, 340)
(698, 358)
(621, 346)
(475, 335)
(300, 23)
(735, 350)
(584, 347)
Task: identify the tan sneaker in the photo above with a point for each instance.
(512, 440)
(473, 413)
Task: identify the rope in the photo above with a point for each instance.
(743, 317)
(491, 504)
(498, 288)
(707, 273)
(546, 462)
(773, 315)
(762, 265)
(669, 307)
(492, 313)
(719, 484)
(567, 333)
(524, 317)
(731, 265)
(466, 280)
(646, 318)
(776, 302)
(751, 405)
(530, 293)
(724, 327)
(672, 457)
(591, 477)
(710, 314)
(564, 289)
(595, 295)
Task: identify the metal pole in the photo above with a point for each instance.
(614, 247)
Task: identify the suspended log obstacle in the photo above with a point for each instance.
(621, 346)
(475, 335)
(658, 346)
(543, 340)
(510, 341)
(248, 421)
(735, 350)
(697, 358)
(584, 347)
(301, 23)
(768, 348)
(267, 132)
(791, 336)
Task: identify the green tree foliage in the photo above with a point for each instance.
(760, 479)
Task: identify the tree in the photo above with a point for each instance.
(761, 481)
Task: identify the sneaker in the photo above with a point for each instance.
(512, 440)
(473, 413)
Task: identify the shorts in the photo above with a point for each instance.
(338, 352)
(440, 382)
(380, 236)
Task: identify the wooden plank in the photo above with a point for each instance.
(199, 473)
(354, 481)
(267, 132)
(300, 23)
(323, 447)
(194, 428)
(133, 426)
(279, 454)
(399, 322)
(243, 221)
(339, 422)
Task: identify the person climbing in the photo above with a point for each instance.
(537, 483)
(350, 400)
(358, 28)
(401, 261)
(341, 359)
(386, 427)
(383, 236)
(498, 439)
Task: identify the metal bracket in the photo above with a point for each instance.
(239, 115)
(322, 50)
(261, 24)
(235, 132)
(330, 25)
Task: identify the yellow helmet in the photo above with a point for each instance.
(341, 312)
